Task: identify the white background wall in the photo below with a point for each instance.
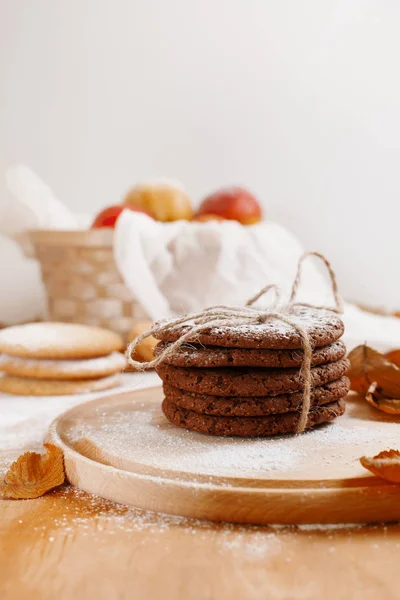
(299, 100)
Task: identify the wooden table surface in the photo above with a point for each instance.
(69, 545)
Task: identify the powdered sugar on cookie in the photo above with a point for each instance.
(322, 326)
(58, 340)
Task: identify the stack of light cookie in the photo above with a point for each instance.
(51, 359)
(246, 381)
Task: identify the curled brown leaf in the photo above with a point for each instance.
(386, 464)
(369, 366)
(375, 397)
(34, 474)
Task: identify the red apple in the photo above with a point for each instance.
(234, 203)
(108, 216)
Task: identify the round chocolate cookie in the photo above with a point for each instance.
(322, 326)
(189, 355)
(228, 406)
(249, 426)
(248, 381)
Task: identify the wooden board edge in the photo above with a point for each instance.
(231, 504)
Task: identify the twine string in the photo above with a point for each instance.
(338, 308)
(263, 292)
(233, 316)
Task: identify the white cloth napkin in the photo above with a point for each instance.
(33, 205)
(179, 267)
(173, 268)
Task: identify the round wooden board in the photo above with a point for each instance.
(122, 448)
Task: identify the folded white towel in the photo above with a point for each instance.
(179, 267)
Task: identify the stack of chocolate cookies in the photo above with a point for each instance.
(246, 381)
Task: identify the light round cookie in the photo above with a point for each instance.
(27, 386)
(46, 368)
(58, 340)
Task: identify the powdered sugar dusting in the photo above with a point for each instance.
(89, 515)
(146, 437)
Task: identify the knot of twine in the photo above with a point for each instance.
(232, 316)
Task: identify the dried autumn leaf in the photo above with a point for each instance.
(388, 405)
(369, 366)
(386, 464)
(33, 474)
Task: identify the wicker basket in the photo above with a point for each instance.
(82, 281)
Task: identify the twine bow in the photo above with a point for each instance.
(232, 316)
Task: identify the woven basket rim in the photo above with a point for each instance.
(102, 237)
